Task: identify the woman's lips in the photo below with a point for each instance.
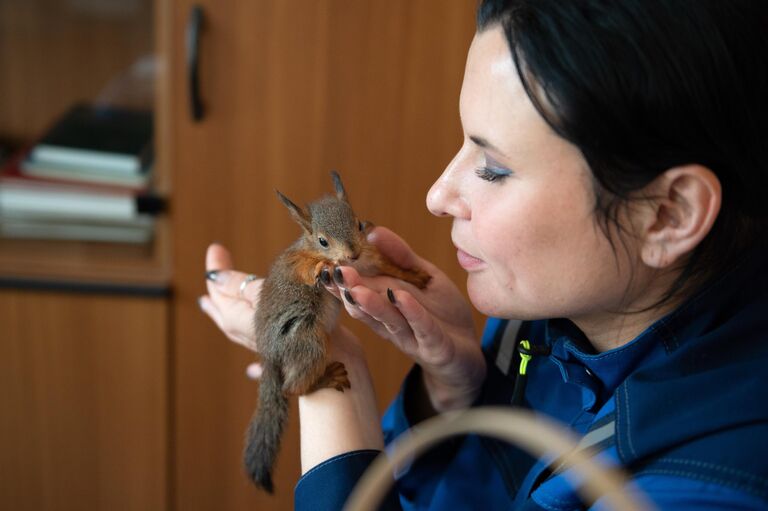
(467, 261)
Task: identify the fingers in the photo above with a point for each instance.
(398, 316)
(427, 333)
(221, 280)
(253, 371)
(217, 257)
(211, 310)
(328, 281)
(234, 285)
(231, 300)
(231, 297)
(395, 314)
(235, 319)
(218, 271)
(377, 310)
(345, 285)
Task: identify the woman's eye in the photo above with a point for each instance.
(323, 241)
(492, 174)
(360, 226)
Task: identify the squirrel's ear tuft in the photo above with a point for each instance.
(298, 214)
(338, 186)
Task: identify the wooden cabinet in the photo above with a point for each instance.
(290, 90)
(84, 391)
(85, 328)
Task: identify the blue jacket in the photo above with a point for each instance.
(683, 408)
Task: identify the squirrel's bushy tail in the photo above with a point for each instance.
(266, 428)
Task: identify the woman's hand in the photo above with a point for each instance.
(231, 303)
(230, 308)
(331, 422)
(433, 326)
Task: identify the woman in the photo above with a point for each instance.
(608, 193)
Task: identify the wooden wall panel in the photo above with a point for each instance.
(84, 399)
(293, 90)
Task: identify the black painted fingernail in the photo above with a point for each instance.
(338, 277)
(325, 277)
(349, 298)
(391, 296)
(211, 275)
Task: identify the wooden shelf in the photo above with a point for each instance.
(58, 54)
(88, 263)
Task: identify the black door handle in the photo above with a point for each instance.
(194, 28)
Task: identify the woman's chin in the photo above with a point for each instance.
(491, 300)
(481, 295)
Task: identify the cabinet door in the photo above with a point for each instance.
(292, 90)
(84, 394)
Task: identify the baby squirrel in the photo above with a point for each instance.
(295, 315)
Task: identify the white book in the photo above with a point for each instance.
(80, 173)
(62, 202)
(21, 228)
(87, 159)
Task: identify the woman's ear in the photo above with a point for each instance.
(684, 203)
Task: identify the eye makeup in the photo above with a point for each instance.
(492, 174)
(492, 171)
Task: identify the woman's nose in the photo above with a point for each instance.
(444, 197)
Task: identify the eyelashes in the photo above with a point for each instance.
(492, 174)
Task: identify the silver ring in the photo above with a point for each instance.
(247, 280)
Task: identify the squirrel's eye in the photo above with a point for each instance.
(323, 241)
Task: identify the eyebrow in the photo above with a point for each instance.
(481, 142)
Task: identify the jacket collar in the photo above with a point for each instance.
(672, 381)
(714, 374)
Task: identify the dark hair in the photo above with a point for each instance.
(641, 86)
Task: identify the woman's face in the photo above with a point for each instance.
(522, 204)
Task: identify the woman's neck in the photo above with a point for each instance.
(611, 329)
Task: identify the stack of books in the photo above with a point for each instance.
(87, 178)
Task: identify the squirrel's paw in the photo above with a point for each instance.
(335, 377)
(417, 277)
